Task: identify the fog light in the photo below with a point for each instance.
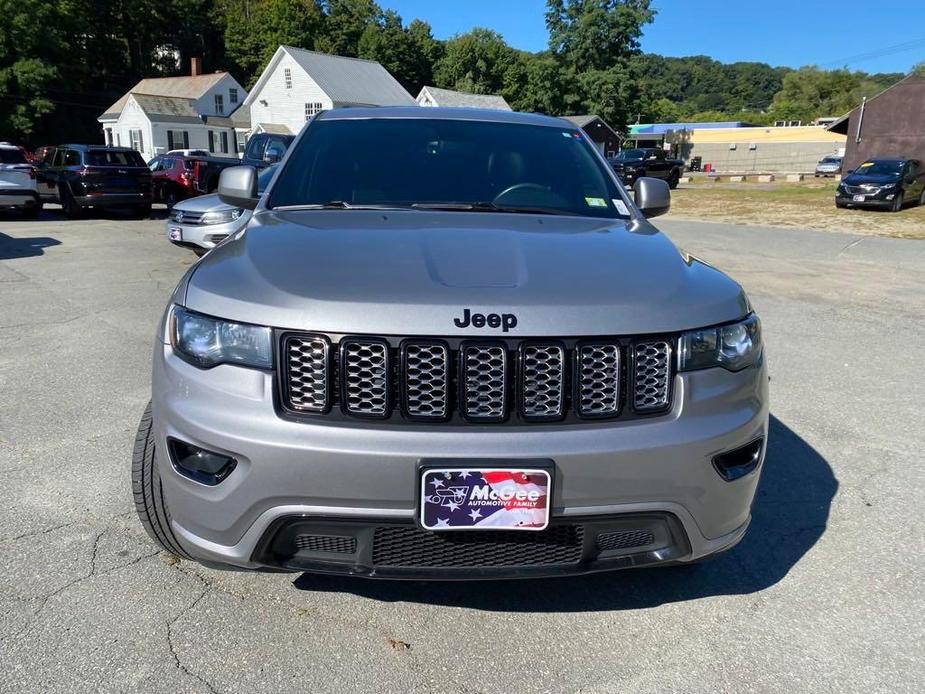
(205, 467)
(737, 463)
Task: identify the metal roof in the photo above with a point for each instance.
(448, 97)
(350, 80)
(185, 87)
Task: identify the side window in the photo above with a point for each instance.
(156, 165)
(59, 158)
(287, 77)
(219, 104)
(255, 147)
(232, 96)
(72, 158)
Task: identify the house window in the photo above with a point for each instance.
(137, 143)
(312, 109)
(241, 142)
(224, 142)
(219, 104)
(211, 140)
(108, 132)
(287, 78)
(177, 139)
(232, 96)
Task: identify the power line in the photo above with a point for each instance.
(879, 53)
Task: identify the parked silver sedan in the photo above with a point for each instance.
(828, 166)
(203, 222)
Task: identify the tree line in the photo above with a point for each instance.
(62, 63)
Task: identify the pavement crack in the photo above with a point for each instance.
(37, 533)
(172, 646)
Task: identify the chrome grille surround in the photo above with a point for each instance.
(598, 367)
(425, 379)
(651, 376)
(542, 381)
(483, 381)
(308, 364)
(365, 377)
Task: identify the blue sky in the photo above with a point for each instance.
(877, 36)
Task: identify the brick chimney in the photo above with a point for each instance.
(195, 67)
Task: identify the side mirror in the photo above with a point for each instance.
(237, 186)
(652, 195)
(273, 155)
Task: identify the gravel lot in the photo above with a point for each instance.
(824, 595)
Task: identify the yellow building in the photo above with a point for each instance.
(761, 149)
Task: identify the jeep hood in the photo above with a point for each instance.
(413, 272)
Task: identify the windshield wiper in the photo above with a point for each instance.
(338, 205)
(484, 206)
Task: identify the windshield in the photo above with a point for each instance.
(108, 157)
(12, 156)
(830, 160)
(632, 154)
(880, 168)
(455, 164)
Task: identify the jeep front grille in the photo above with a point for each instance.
(456, 380)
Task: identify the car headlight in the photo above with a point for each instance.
(221, 216)
(734, 347)
(205, 342)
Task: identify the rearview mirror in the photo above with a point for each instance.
(237, 186)
(652, 195)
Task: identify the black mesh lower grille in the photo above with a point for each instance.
(413, 547)
(340, 544)
(624, 539)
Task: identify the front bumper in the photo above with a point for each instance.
(874, 200)
(364, 475)
(202, 235)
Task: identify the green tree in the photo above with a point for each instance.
(809, 93)
(254, 29)
(345, 22)
(475, 62)
(596, 34)
(405, 54)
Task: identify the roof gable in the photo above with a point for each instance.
(185, 87)
(344, 80)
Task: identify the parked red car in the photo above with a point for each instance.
(176, 177)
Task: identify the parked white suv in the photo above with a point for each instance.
(17, 182)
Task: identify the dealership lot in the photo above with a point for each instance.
(823, 594)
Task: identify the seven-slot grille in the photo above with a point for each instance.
(433, 380)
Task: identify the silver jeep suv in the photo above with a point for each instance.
(448, 344)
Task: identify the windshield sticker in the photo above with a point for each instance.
(621, 208)
(596, 202)
(866, 164)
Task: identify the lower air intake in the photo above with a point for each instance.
(413, 547)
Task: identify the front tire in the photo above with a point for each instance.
(32, 212)
(673, 179)
(142, 211)
(922, 198)
(147, 491)
(897, 203)
(171, 197)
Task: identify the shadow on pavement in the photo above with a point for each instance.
(789, 515)
(12, 247)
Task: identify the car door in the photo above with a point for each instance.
(45, 181)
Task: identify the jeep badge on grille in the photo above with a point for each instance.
(505, 321)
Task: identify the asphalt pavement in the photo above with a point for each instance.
(824, 594)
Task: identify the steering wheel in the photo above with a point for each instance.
(519, 187)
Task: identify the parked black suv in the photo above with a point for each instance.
(82, 176)
(264, 149)
(886, 183)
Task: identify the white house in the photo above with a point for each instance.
(297, 84)
(434, 96)
(164, 113)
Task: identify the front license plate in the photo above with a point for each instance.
(485, 499)
(175, 233)
(858, 198)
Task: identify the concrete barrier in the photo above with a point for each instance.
(837, 177)
(794, 178)
(767, 178)
(737, 179)
(686, 179)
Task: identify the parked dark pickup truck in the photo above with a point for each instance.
(631, 164)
